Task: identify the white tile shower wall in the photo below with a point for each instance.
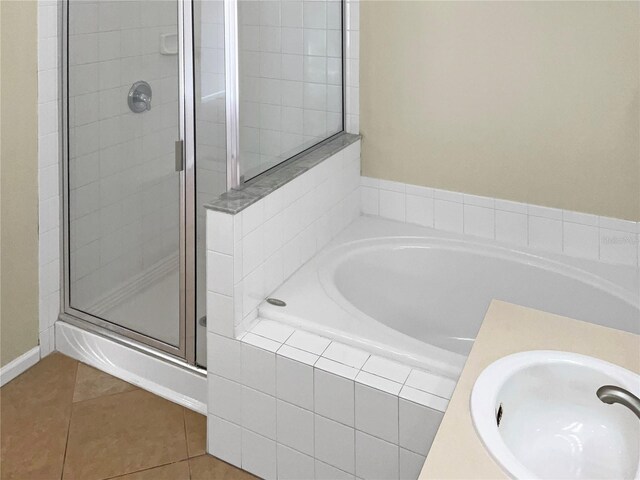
(252, 253)
(575, 234)
(291, 76)
(124, 191)
(48, 174)
(307, 419)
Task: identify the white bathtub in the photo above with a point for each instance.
(419, 295)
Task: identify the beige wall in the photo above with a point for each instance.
(18, 180)
(535, 102)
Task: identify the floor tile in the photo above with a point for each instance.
(206, 467)
(123, 433)
(173, 471)
(34, 413)
(196, 429)
(92, 383)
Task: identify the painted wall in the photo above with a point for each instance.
(19, 179)
(529, 101)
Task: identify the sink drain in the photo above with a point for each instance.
(276, 302)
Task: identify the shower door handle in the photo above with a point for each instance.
(179, 155)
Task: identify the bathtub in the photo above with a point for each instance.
(418, 295)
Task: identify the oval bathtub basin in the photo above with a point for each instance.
(419, 295)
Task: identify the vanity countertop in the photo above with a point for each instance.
(457, 451)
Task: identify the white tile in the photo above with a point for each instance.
(448, 216)
(511, 227)
(478, 201)
(370, 199)
(335, 444)
(327, 472)
(294, 382)
(308, 342)
(448, 195)
(618, 247)
(479, 221)
(224, 356)
(253, 290)
(392, 186)
(544, 212)
(261, 342)
(410, 465)
(259, 455)
(224, 440)
(376, 413)
(431, 383)
(375, 458)
(273, 272)
(336, 368)
(252, 251)
(298, 355)
(252, 217)
(419, 210)
(334, 397)
(545, 234)
(379, 383)
(386, 368)
(509, 206)
(581, 240)
(293, 465)
(392, 205)
(258, 369)
(418, 426)
(295, 427)
(424, 398)
(581, 218)
(274, 330)
(420, 191)
(223, 398)
(220, 314)
(220, 273)
(259, 412)
(353, 357)
(369, 182)
(272, 235)
(618, 224)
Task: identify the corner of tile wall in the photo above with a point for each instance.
(48, 174)
(580, 235)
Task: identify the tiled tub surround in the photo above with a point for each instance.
(575, 234)
(287, 404)
(251, 253)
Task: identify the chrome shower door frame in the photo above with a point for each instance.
(185, 351)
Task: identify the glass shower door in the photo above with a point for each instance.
(125, 190)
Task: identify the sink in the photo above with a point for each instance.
(538, 416)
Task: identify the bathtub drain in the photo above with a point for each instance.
(276, 301)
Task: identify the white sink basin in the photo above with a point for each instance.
(552, 424)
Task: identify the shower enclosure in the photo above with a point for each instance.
(166, 104)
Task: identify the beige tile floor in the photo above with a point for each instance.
(64, 420)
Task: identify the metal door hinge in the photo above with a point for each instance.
(179, 155)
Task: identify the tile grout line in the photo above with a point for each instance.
(66, 444)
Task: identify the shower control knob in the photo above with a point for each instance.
(139, 98)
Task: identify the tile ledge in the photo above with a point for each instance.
(236, 200)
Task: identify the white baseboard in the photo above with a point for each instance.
(14, 368)
(179, 385)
